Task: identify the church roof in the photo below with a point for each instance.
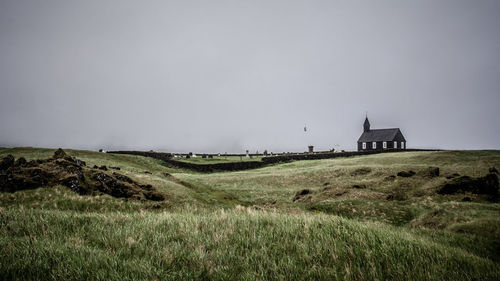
(379, 135)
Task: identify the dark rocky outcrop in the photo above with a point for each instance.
(7, 162)
(59, 154)
(406, 174)
(20, 162)
(487, 185)
(122, 177)
(103, 167)
(73, 173)
(75, 161)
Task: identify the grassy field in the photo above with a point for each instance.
(250, 225)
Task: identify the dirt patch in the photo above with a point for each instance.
(73, 173)
(340, 193)
(430, 172)
(451, 176)
(398, 195)
(390, 178)
(487, 185)
(361, 171)
(437, 219)
(179, 181)
(301, 195)
(348, 193)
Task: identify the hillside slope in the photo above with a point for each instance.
(357, 220)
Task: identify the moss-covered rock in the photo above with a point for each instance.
(73, 173)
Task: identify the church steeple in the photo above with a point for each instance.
(366, 125)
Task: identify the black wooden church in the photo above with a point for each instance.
(380, 139)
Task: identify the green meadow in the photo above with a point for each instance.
(334, 219)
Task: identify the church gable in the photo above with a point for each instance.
(379, 139)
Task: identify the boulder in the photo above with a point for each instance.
(21, 161)
(75, 161)
(73, 183)
(59, 153)
(7, 162)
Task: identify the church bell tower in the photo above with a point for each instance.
(366, 125)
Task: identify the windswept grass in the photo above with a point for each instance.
(242, 244)
(246, 225)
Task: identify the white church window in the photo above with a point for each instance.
(402, 145)
(374, 145)
(395, 144)
(364, 145)
(384, 144)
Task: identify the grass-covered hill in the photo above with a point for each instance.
(337, 219)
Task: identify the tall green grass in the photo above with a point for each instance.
(245, 226)
(242, 244)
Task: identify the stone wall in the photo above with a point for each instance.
(237, 166)
(230, 166)
(328, 155)
(156, 155)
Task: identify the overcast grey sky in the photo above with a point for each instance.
(217, 76)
